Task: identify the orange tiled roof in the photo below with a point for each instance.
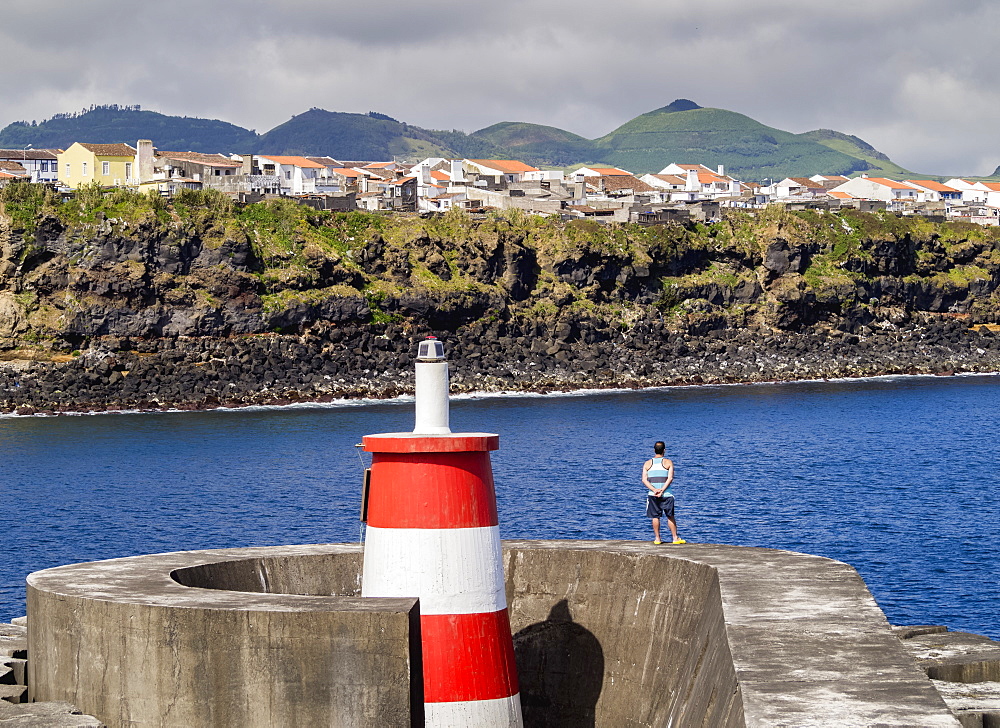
(292, 161)
(616, 182)
(840, 195)
(438, 174)
(807, 183)
(109, 150)
(672, 179)
(5, 175)
(890, 183)
(995, 186)
(12, 166)
(213, 160)
(933, 186)
(707, 178)
(28, 153)
(507, 166)
(608, 171)
(378, 165)
(345, 172)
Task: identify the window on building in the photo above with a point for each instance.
(128, 170)
(105, 168)
(288, 174)
(68, 168)
(218, 172)
(83, 169)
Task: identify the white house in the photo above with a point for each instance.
(683, 169)
(798, 187)
(579, 174)
(297, 175)
(41, 165)
(992, 193)
(509, 169)
(880, 188)
(665, 181)
(829, 181)
(932, 191)
(971, 191)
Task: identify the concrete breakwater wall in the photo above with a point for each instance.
(606, 634)
(351, 360)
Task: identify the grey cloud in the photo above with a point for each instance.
(916, 84)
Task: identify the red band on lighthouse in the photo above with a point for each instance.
(468, 657)
(432, 490)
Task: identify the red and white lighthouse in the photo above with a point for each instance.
(433, 533)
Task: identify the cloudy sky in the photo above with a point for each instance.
(917, 80)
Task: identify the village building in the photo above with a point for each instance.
(880, 188)
(296, 175)
(108, 165)
(798, 187)
(932, 191)
(579, 174)
(971, 191)
(39, 165)
(829, 181)
(500, 171)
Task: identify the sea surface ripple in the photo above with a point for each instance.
(896, 476)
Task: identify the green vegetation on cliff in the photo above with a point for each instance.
(120, 263)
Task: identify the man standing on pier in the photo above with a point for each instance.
(658, 476)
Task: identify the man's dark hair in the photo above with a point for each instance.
(659, 447)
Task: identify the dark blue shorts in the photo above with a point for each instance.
(658, 507)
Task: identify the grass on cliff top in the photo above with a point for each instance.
(25, 204)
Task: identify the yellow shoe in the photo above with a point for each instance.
(679, 540)
(657, 542)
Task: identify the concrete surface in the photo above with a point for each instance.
(125, 642)
(808, 644)
(606, 634)
(977, 705)
(45, 715)
(956, 656)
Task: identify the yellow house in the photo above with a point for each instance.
(110, 165)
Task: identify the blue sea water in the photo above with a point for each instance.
(896, 476)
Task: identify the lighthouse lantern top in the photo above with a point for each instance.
(430, 349)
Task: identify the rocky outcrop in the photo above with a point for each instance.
(131, 304)
(964, 667)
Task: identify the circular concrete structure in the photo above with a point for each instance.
(606, 634)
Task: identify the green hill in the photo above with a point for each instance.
(110, 124)
(367, 136)
(679, 132)
(544, 146)
(747, 148)
(855, 147)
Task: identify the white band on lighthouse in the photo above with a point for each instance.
(467, 578)
(432, 417)
(499, 713)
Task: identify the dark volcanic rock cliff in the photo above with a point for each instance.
(115, 300)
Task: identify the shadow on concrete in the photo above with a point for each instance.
(560, 668)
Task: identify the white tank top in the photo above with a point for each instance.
(657, 476)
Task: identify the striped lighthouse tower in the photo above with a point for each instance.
(433, 534)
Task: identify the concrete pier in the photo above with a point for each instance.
(606, 634)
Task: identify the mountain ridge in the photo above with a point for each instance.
(681, 131)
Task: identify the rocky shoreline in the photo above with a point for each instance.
(375, 362)
(119, 302)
